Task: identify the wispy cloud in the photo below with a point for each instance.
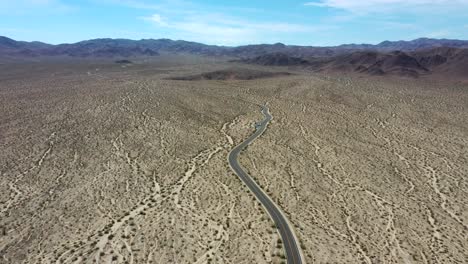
(168, 6)
(157, 19)
(336, 21)
(134, 4)
(439, 33)
(227, 30)
(360, 6)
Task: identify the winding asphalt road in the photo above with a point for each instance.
(290, 242)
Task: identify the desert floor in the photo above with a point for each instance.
(108, 163)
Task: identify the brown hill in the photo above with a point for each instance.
(373, 63)
(446, 61)
(441, 61)
(452, 62)
(231, 74)
(398, 63)
(276, 59)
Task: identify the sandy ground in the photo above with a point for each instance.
(108, 164)
(370, 171)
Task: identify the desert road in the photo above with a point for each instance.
(290, 242)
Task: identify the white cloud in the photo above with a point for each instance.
(365, 6)
(217, 28)
(167, 6)
(439, 34)
(219, 34)
(157, 19)
(183, 19)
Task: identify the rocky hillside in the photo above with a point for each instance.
(442, 60)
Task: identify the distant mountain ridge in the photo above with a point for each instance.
(375, 63)
(412, 45)
(446, 61)
(153, 47)
(7, 43)
(424, 56)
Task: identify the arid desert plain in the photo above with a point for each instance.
(113, 163)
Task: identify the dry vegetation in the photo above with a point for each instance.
(370, 170)
(116, 164)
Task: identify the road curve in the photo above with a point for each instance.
(290, 241)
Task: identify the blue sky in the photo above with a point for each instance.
(308, 22)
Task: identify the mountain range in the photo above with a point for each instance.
(152, 47)
(413, 58)
(442, 61)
